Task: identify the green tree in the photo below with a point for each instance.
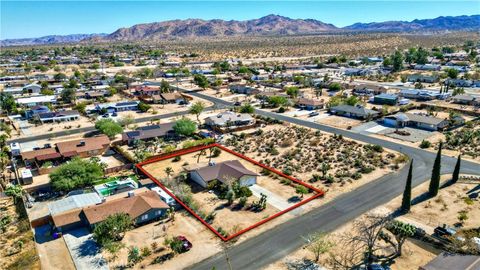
(14, 191)
(164, 86)
(435, 181)
(143, 107)
(407, 193)
(421, 57)
(318, 244)
(59, 77)
(456, 171)
(68, 95)
(112, 229)
(452, 73)
(301, 190)
(7, 102)
(184, 127)
(201, 81)
(397, 61)
(292, 91)
(197, 108)
(335, 87)
(108, 127)
(81, 107)
(276, 101)
(134, 255)
(247, 108)
(75, 174)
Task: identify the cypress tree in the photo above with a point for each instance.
(407, 193)
(435, 181)
(456, 171)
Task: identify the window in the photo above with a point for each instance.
(158, 212)
(144, 217)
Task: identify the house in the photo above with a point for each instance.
(52, 117)
(86, 147)
(466, 99)
(73, 202)
(459, 82)
(36, 110)
(448, 261)
(310, 103)
(422, 78)
(223, 172)
(419, 94)
(356, 111)
(427, 67)
(40, 155)
(142, 207)
(387, 99)
(37, 100)
(148, 132)
(229, 120)
(168, 98)
(147, 90)
(243, 89)
(95, 94)
(426, 122)
(118, 106)
(32, 88)
(369, 89)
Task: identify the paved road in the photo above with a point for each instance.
(278, 242)
(88, 129)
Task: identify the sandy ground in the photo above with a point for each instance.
(227, 217)
(54, 255)
(428, 214)
(16, 242)
(205, 244)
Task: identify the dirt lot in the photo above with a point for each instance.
(53, 253)
(17, 248)
(230, 218)
(205, 244)
(426, 214)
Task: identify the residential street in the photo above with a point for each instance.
(278, 242)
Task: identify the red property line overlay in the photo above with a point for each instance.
(199, 148)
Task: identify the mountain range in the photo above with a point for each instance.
(273, 25)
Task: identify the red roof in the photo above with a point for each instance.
(48, 156)
(70, 154)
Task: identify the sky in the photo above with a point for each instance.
(23, 19)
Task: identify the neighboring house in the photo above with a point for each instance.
(142, 207)
(369, 89)
(166, 98)
(459, 82)
(387, 99)
(148, 132)
(147, 90)
(358, 72)
(229, 120)
(400, 120)
(86, 147)
(95, 94)
(310, 104)
(118, 107)
(466, 99)
(223, 172)
(72, 202)
(52, 117)
(32, 88)
(357, 111)
(420, 94)
(36, 110)
(427, 67)
(449, 261)
(40, 155)
(243, 89)
(14, 91)
(37, 100)
(422, 78)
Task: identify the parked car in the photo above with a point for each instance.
(187, 245)
(444, 231)
(238, 103)
(313, 114)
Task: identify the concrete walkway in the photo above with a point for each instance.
(84, 250)
(272, 198)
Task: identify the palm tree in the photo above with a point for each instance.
(168, 171)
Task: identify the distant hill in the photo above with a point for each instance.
(268, 25)
(273, 25)
(54, 39)
(437, 24)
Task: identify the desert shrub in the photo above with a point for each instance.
(242, 202)
(146, 251)
(163, 258)
(425, 144)
(243, 192)
(176, 159)
(216, 152)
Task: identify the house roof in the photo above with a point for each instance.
(73, 202)
(93, 143)
(47, 115)
(48, 156)
(447, 261)
(222, 171)
(29, 155)
(171, 96)
(418, 118)
(358, 110)
(310, 102)
(225, 117)
(68, 217)
(464, 97)
(148, 132)
(134, 206)
(387, 96)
